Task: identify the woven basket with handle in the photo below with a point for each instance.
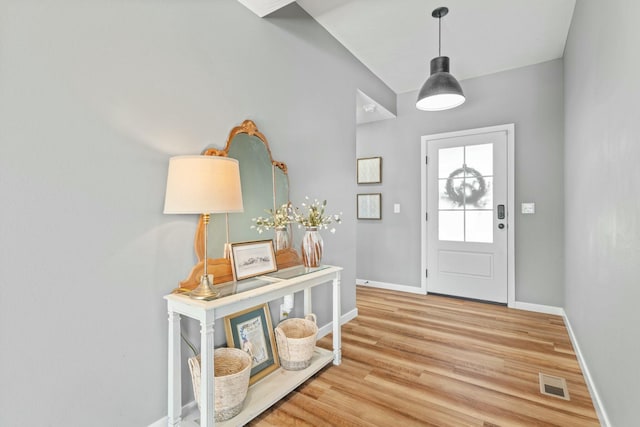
(296, 339)
(232, 371)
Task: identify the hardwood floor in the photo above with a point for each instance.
(411, 360)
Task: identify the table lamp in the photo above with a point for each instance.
(203, 185)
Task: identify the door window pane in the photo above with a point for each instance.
(479, 226)
(479, 193)
(480, 159)
(451, 226)
(448, 192)
(449, 159)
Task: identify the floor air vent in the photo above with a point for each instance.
(553, 386)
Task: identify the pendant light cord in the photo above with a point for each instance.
(439, 35)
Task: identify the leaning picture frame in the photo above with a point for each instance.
(369, 170)
(250, 259)
(251, 330)
(369, 206)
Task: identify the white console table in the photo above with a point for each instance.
(237, 296)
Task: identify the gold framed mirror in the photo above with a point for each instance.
(265, 185)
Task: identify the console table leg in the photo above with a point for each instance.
(207, 391)
(307, 302)
(337, 314)
(174, 381)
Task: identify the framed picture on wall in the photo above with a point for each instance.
(250, 330)
(369, 206)
(370, 170)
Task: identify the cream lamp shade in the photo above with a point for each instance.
(203, 185)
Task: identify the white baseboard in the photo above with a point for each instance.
(326, 329)
(538, 308)
(595, 397)
(186, 411)
(559, 311)
(391, 286)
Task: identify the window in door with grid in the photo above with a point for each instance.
(465, 185)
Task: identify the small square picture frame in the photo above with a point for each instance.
(250, 259)
(251, 330)
(369, 170)
(369, 206)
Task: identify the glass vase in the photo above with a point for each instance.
(311, 247)
(283, 240)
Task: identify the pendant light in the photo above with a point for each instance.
(441, 91)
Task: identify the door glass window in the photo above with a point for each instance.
(448, 160)
(465, 185)
(451, 225)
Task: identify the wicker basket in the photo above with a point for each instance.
(296, 340)
(232, 371)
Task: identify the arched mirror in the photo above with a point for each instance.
(265, 185)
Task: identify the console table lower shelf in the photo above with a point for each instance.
(269, 390)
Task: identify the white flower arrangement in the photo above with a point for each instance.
(281, 217)
(313, 215)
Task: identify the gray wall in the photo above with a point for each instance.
(95, 97)
(602, 101)
(532, 98)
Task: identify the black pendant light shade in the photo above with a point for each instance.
(441, 91)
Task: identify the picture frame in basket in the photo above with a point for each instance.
(251, 330)
(250, 259)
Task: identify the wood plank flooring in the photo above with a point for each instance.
(411, 360)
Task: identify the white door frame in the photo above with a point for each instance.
(511, 256)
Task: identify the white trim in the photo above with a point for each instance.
(538, 308)
(511, 212)
(186, 411)
(328, 328)
(595, 397)
(423, 214)
(392, 286)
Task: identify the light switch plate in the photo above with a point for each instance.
(396, 208)
(528, 208)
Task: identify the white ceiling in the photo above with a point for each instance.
(396, 39)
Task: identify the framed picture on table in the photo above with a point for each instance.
(249, 259)
(250, 330)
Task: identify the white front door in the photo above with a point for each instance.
(467, 215)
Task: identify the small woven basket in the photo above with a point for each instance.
(296, 339)
(232, 371)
